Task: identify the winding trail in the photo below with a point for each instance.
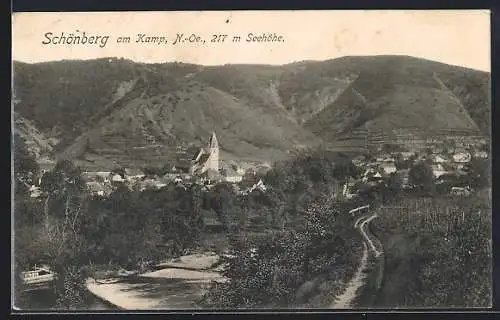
(367, 238)
(345, 300)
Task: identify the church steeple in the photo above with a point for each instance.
(213, 141)
(213, 161)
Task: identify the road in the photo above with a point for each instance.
(365, 235)
(345, 300)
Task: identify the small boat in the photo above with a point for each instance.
(39, 277)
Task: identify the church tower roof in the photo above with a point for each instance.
(213, 141)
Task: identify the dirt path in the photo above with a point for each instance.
(367, 238)
(344, 300)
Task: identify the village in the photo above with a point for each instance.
(203, 167)
(448, 158)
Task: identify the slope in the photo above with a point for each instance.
(150, 128)
(115, 110)
(400, 92)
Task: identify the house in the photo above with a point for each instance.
(35, 191)
(439, 159)
(347, 191)
(407, 155)
(178, 179)
(481, 154)
(462, 157)
(388, 167)
(134, 174)
(248, 186)
(405, 178)
(147, 183)
(460, 191)
(261, 170)
(117, 178)
(97, 176)
(460, 167)
(438, 170)
(367, 174)
(181, 169)
(358, 162)
(38, 177)
(96, 188)
(258, 186)
(159, 184)
(205, 178)
(384, 158)
(231, 175)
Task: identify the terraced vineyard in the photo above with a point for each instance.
(438, 252)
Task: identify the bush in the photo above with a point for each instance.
(441, 247)
(269, 270)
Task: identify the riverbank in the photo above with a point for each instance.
(180, 286)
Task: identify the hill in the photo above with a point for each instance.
(117, 112)
(36, 142)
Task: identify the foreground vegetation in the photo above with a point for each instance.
(437, 252)
(291, 268)
(307, 261)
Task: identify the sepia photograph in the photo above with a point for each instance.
(251, 160)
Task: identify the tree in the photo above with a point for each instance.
(224, 203)
(369, 156)
(63, 208)
(27, 249)
(394, 184)
(151, 171)
(25, 169)
(485, 147)
(64, 191)
(391, 147)
(25, 166)
(120, 171)
(421, 177)
(401, 163)
(478, 173)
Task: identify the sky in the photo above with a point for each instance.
(457, 37)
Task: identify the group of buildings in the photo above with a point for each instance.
(444, 163)
(203, 167)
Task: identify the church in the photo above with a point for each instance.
(206, 160)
